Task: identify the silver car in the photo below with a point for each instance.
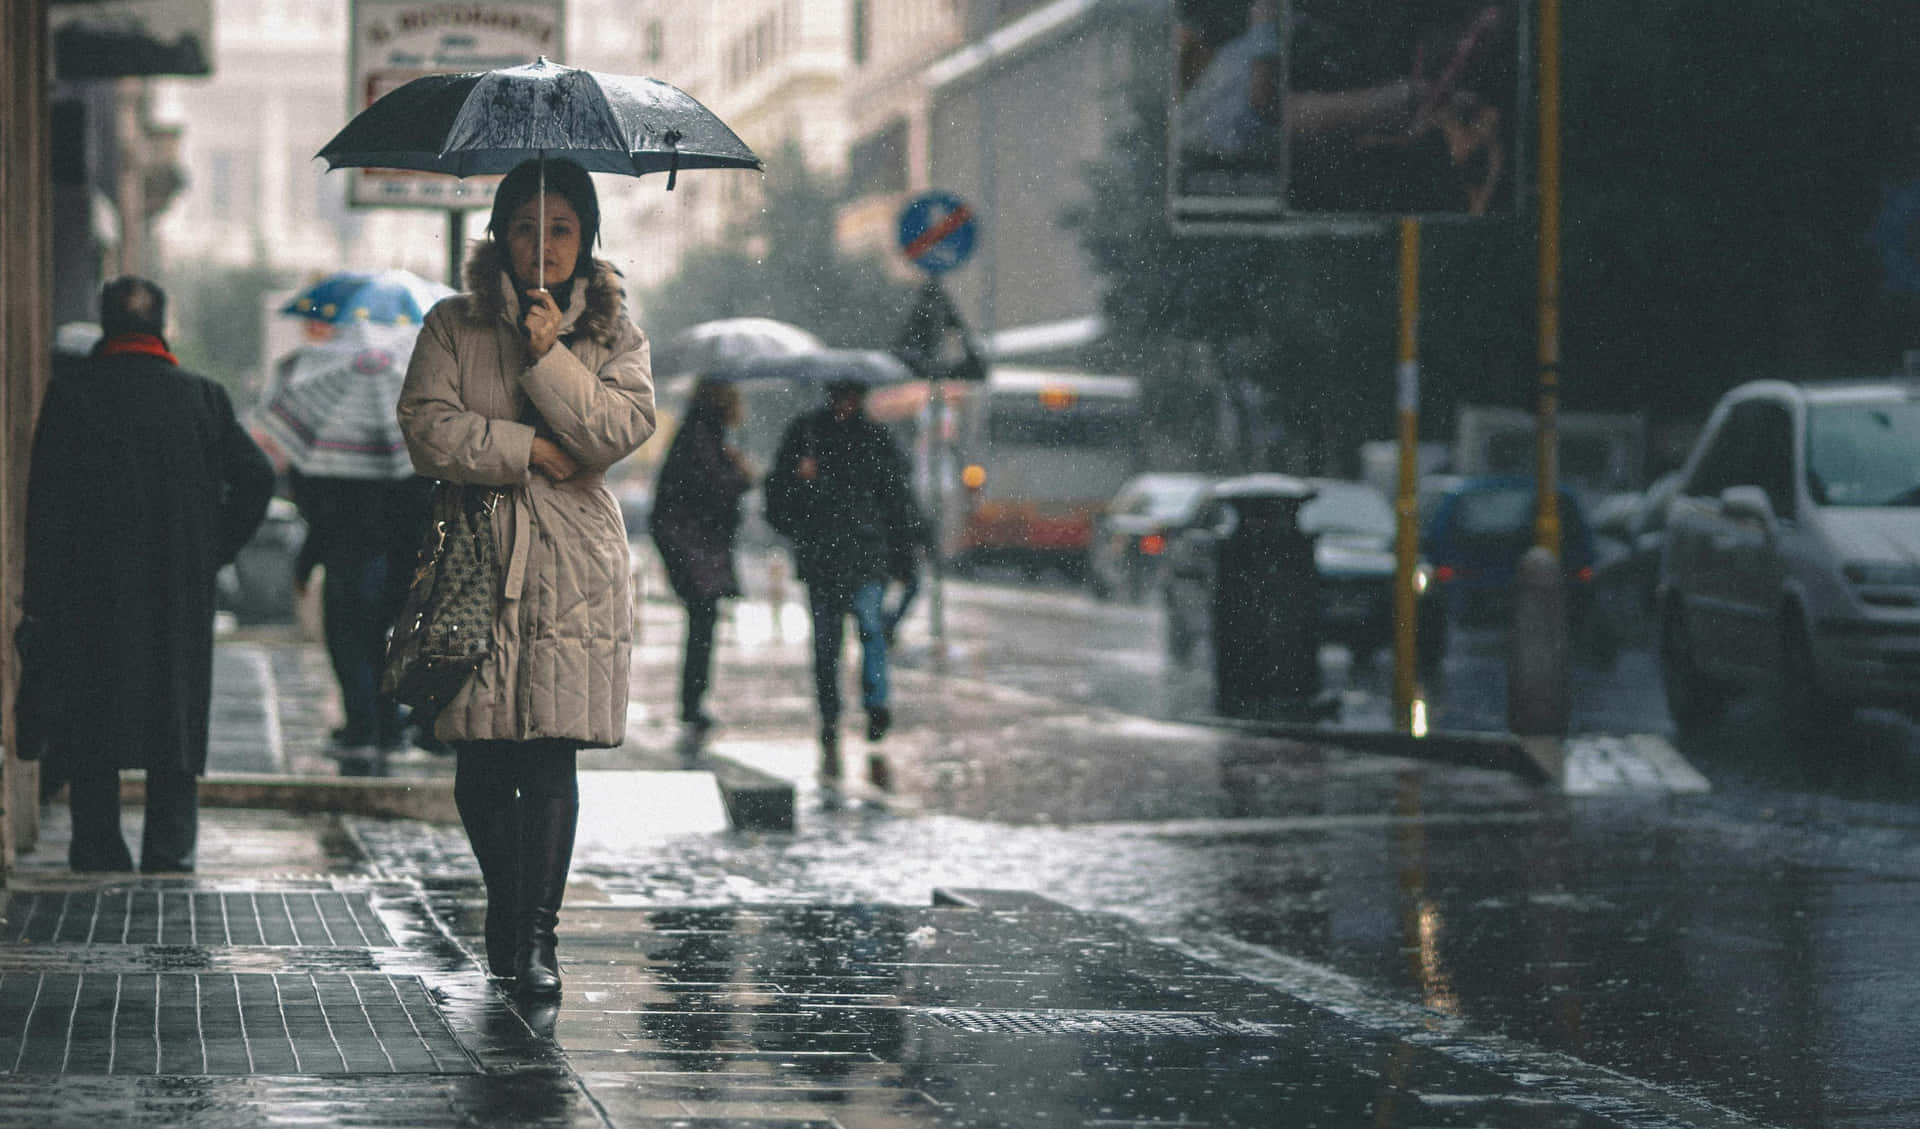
(1792, 554)
(1124, 554)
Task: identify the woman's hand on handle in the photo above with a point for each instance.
(542, 323)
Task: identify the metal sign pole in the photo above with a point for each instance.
(940, 451)
(937, 233)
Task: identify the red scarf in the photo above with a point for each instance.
(146, 344)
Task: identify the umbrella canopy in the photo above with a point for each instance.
(818, 369)
(330, 408)
(392, 297)
(712, 345)
(491, 121)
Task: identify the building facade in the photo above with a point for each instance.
(1015, 115)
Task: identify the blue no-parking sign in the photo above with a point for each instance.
(937, 231)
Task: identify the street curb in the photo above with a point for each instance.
(754, 800)
(996, 900)
(1498, 751)
(424, 798)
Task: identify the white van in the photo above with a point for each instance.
(1792, 554)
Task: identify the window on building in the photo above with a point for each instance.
(878, 162)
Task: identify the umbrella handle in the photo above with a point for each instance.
(672, 138)
(540, 243)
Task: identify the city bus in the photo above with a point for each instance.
(1032, 456)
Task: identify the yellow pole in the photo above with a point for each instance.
(1406, 503)
(1547, 450)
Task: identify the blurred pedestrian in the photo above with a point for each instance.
(528, 387)
(363, 534)
(696, 515)
(839, 491)
(142, 485)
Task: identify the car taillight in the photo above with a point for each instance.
(1152, 545)
(1585, 575)
(1446, 574)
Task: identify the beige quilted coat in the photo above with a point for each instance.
(563, 639)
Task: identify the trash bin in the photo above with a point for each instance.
(1266, 631)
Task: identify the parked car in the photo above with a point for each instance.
(1353, 530)
(257, 585)
(1475, 534)
(1130, 536)
(1792, 557)
(1630, 539)
(1354, 533)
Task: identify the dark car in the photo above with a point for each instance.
(1476, 533)
(1129, 539)
(1353, 531)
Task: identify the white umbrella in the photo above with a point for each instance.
(711, 345)
(330, 408)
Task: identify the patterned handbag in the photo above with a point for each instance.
(445, 628)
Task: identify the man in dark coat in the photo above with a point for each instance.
(142, 485)
(839, 491)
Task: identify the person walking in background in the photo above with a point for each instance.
(529, 386)
(839, 492)
(142, 485)
(364, 533)
(696, 514)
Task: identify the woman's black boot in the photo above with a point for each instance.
(490, 812)
(547, 846)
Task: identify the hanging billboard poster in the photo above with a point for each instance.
(1289, 110)
(397, 41)
(117, 38)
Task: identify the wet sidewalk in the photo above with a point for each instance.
(319, 969)
(303, 979)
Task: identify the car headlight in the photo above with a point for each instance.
(1883, 574)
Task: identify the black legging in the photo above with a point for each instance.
(520, 804)
(696, 669)
(490, 773)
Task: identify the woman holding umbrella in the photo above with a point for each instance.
(530, 385)
(696, 515)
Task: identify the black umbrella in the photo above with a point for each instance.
(828, 366)
(492, 121)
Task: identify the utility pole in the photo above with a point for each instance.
(1406, 500)
(1547, 437)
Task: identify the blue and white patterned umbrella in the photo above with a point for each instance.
(391, 297)
(330, 408)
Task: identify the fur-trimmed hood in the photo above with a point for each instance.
(595, 309)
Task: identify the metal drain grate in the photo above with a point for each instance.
(1136, 1024)
(244, 1023)
(318, 918)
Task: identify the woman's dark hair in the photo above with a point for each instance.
(565, 179)
(714, 401)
